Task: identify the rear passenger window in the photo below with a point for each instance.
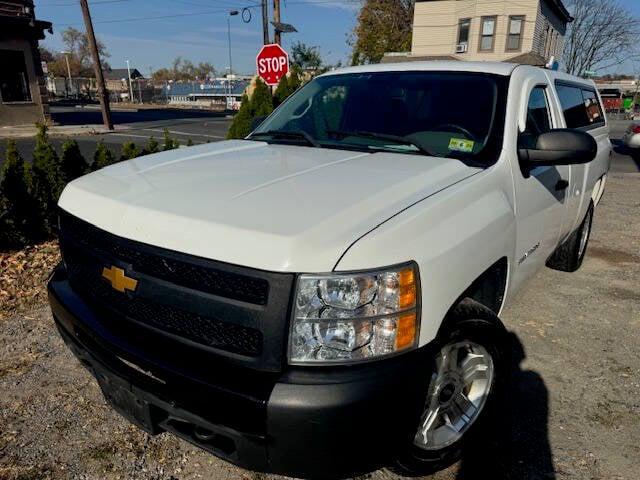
(594, 111)
(580, 106)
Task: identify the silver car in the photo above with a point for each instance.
(632, 136)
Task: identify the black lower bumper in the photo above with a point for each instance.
(321, 422)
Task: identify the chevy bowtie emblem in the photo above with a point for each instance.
(118, 280)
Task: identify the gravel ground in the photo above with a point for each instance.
(575, 409)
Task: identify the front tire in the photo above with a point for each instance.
(464, 391)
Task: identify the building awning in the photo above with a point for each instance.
(25, 27)
(558, 7)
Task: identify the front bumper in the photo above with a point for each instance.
(302, 422)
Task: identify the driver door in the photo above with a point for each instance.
(541, 192)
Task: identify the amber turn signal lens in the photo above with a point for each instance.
(407, 282)
(406, 333)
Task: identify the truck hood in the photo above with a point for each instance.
(272, 207)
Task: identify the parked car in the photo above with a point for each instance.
(323, 297)
(631, 137)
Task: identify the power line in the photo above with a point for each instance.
(75, 4)
(158, 17)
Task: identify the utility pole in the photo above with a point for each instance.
(103, 95)
(276, 19)
(265, 22)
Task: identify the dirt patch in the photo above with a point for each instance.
(18, 365)
(624, 294)
(612, 255)
(25, 473)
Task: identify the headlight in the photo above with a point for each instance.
(351, 317)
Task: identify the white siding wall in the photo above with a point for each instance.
(435, 27)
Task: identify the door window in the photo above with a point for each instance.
(538, 114)
(538, 118)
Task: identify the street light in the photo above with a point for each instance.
(66, 56)
(130, 84)
(232, 13)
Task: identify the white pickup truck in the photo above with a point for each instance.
(322, 298)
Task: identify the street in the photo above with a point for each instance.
(201, 126)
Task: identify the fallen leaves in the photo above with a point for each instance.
(23, 276)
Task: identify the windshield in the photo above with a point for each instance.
(446, 114)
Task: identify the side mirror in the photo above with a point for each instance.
(560, 147)
(257, 121)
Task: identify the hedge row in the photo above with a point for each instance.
(29, 193)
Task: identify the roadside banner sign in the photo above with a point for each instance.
(272, 63)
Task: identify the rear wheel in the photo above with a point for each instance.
(568, 257)
(464, 389)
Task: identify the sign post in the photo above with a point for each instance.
(272, 63)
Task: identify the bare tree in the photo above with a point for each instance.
(602, 35)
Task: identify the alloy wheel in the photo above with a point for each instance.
(459, 390)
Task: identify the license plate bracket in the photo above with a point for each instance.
(123, 399)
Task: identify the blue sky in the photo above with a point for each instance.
(197, 29)
(154, 43)
(630, 67)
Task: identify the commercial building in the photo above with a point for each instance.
(526, 31)
(23, 98)
(219, 93)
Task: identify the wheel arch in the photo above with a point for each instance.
(488, 290)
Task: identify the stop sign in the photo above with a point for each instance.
(272, 63)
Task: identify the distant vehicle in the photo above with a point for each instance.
(322, 298)
(612, 99)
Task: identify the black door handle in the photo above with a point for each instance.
(562, 184)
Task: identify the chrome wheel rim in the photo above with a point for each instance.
(457, 395)
(584, 235)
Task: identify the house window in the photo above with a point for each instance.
(514, 35)
(487, 33)
(463, 31)
(14, 80)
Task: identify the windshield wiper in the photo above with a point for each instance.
(382, 136)
(296, 134)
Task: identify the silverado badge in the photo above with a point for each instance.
(118, 280)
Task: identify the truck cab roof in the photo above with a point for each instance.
(495, 68)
